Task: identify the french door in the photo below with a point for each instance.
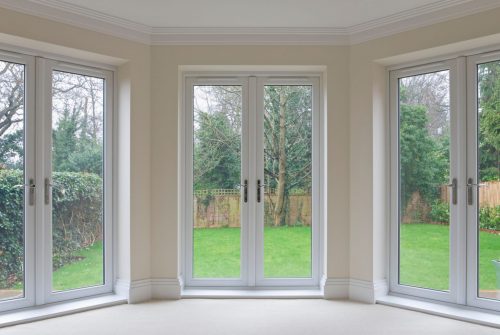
(445, 132)
(55, 181)
(252, 173)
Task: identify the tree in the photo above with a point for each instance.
(489, 121)
(423, 162)
(288, 144)
(217, 137)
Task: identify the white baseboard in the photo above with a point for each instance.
(146, 289)
(166, 288)
(354, 289)
(335, 288)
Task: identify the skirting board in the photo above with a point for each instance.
(147, 289)
(354, 289)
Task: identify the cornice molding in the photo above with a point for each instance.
(434, 13)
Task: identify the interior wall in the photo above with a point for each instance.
(165, 64)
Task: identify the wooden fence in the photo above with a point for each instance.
(221, 208)
(489, 194)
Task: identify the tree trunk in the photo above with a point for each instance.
(279, 209)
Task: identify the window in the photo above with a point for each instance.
(252, 181)
(445, 171)
(55, 181)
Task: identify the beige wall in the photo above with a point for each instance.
(165, 64)
(147, 85)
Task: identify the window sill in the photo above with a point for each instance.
(457, 312)
(252, 294)
(53, 310)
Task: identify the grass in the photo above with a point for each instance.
(84, 273)
(424, 257)
(424, 260)
(287, 252)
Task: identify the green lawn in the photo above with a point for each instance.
(424, 257)
(84, 273)
(287, 252)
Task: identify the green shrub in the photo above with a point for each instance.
(489, 218)
(77, 219)
(440, 212)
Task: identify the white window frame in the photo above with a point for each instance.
(472, 172)
(457, 215)
(38, 139)
(250, 80)
(463, 164)
(29, 173)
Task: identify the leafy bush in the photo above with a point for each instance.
(489, 218)
(77, 219)
(440, 212)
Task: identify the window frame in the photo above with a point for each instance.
(38, 138)
(213, 77)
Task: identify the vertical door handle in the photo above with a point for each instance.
(470, 194)
(259, 190)
(47, 186)
(245, 191)
(31, 192)
(454, 191)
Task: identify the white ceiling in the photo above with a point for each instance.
(251, 13)
(252, 22)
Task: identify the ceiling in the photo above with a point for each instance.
(320, 22)
(251, 13)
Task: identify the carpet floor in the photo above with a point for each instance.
(247, 316)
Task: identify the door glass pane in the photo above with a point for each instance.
(288, 181)
(12, 179)
(216, 181)
(77, 178)
(488, 115)
(424, 151)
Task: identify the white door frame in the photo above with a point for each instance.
(457, 215)
(472, 172)
(251, 82)
(29, 173)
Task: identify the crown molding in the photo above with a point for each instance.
(59, 11)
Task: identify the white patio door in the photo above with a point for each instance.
(251, 145)
(483, 181)
(55, 181)
(445, 161)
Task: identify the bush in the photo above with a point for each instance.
(489, 218)
(440, 212)
(77, 219)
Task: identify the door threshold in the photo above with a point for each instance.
(273, 293)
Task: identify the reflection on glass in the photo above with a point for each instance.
(216, 175)
(488, 114)
(424, 144)
(12, 191)
(77, 178)
(288, 181)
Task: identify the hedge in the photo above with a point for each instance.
(77, 219)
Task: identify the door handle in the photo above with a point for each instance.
(47, 186)
(259, 190)
(245, 191)
(454, 191)
(470, 195)
(31, 191)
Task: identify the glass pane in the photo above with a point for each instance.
(217, 177)
(12, 179)
(288, 181)
(77, 178)
(488, 115)
(424, 151)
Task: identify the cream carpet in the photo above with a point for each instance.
(240, 317)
